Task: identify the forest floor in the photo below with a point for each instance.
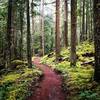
(17, 81)
(50, 87)
(77, 82)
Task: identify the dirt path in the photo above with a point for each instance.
(50, 87)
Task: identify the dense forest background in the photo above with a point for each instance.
(64, 33)
(42, 25)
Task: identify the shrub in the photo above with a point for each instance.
(88, 95)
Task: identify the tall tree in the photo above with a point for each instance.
(57, 31)
(21, 27)
(73, 31)
(97, 39)
(29, 58)
(91, 36)
(81, 34)
(32, 12)
(13, 29)
(87, 21)
(42, 27)
(83, 21)
(66, 24)
(7, 54)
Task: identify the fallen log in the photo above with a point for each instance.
(88, 54)
(88, 63)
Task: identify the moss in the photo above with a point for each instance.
(32, 72)
(78, 78)
(85, 47)
(49, 61)
(15, 85)
(17, 64)
(11, 77)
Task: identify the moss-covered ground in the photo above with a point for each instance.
(77, 81)
(17, 81)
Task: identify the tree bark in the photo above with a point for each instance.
(57, 31)
(29, 58)
(32, 12)
(87, 21)
(97, 39)
(73, 31)
(42, 27)
(91, 37)
(83, 22)
(7, 54)
(13, 35)
(21, 29)
(66, 24)
(80, 21)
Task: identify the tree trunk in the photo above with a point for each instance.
(57, 31)
(29, 58)
(83, 22)
(66, 24)
(32, 12)
(21, 29)
(87, 25)
(97, 39)
(80, 21)
(42, 27)
(73, 31)
(7, 54)
(91, 37)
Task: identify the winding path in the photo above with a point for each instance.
(50, 87)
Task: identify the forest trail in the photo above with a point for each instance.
(50, 87)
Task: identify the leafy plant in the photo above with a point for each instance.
(88, 95)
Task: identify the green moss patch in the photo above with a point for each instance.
(78, 81)
(15, 85)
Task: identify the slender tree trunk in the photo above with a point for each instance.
(57, 31)
(73, 31)
(87, 15)
(52, 41)
(21, 30)
(66, 24)
(42, 27)
(91, 38)
(89, 22)
(29, 58)
(32, 11)
(97, 39)
(83, 21)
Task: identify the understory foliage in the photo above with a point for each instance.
(78, 81)
(15, 84)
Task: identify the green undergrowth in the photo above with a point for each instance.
(77, 81)
(16, 84)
